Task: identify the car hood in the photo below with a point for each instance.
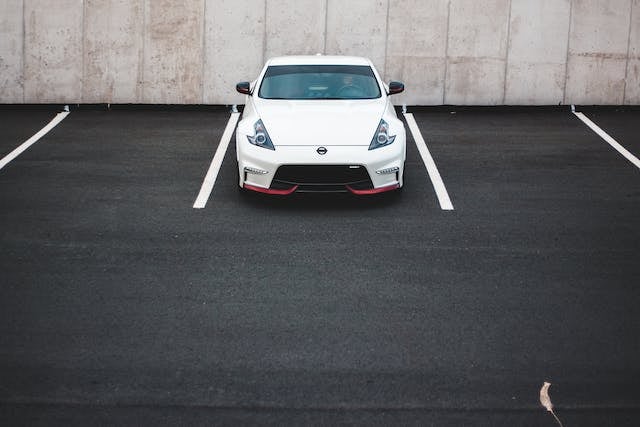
(321, 122)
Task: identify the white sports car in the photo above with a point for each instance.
(320, 124)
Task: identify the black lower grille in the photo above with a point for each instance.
(322, 178)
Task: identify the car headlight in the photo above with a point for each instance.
(260, 136)
(381, 138)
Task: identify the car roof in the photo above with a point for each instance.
(319, 60)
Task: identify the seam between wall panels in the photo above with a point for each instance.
(83, 73)
(386, 41)
(446, 55)
(326, 22)
(142, 77)
(506, 59)
(566, 62)
(264, 34)
(626, 68)
(204, 51)
(24, 51)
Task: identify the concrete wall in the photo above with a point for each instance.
(480, 52)
(11, 51)
(112, 52)
(536, 66)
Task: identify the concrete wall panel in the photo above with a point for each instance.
(478, 29)
(358, 30)
(416, 49)
(53, 51)
(537, 54)
(598, 46)
(585, 88)
(233, 30)
(11, 45)
(475, 82)
(599, 26)
(173, 51)
(539, 31)
(632, 86)
(423, 78)
(295, 27)
(114, 31)
(532, 83)
(477, 51)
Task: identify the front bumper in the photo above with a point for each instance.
(289, 169)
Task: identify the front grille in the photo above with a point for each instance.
(321, 178)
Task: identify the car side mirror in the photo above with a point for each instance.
(395, 87)
(244, 87)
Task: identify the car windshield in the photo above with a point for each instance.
(319, 82)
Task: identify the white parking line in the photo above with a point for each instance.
(214, 168)
(436, 179)
(29, 142)
(612, 142)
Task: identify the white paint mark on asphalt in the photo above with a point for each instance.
(612, 142)
(214, 168)
(432, 169)
(35, 138)
(545, 400)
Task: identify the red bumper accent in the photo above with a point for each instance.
(373, 190)
(271, 191)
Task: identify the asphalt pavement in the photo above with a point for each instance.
(121, 304)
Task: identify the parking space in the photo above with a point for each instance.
(621, 126)
(375, 310)
(19, 126)
(620, 123)
(524, 157)
(133, 158)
